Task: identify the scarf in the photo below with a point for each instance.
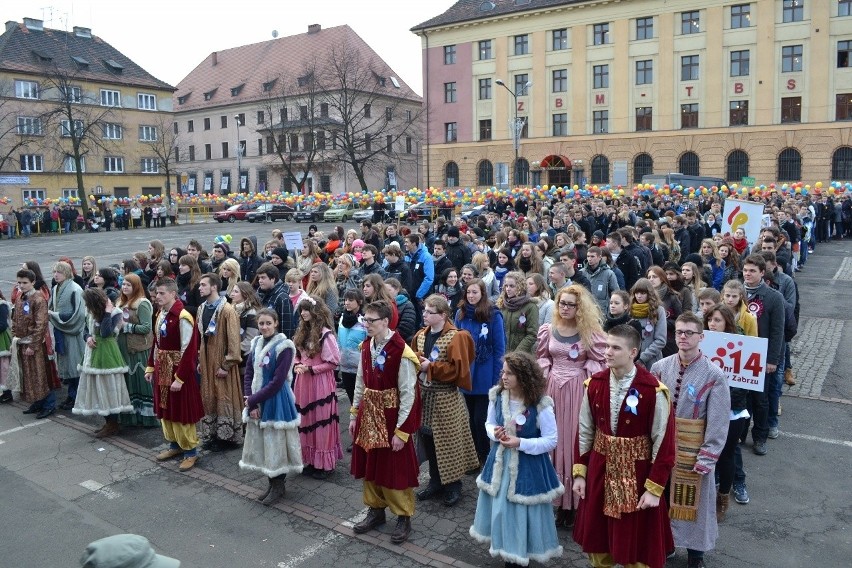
(639, 311)
(525, 264)
(349, 319)
(516, 303)
(611, 321)
(183, 279)
(239, 308)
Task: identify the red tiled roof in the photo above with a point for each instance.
(42, 52)
(284, 58)
(468, 10)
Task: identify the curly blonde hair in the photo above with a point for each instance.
(588, 314)
(309, 335)
(233, 267)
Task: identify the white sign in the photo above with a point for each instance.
(745, 215)
(293, 241)
(224, 182)
(399, 204)
(14, 180)
(741, 357)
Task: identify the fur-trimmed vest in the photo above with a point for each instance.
(279, 410)
(533, 477)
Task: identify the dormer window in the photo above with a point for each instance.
(269, 85)
(42, 56)
(209, 95)
(306, 80)
(114, 66)
(80, 61)
(183, 98)
(237, 90)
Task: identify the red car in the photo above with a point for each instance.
(234, 213)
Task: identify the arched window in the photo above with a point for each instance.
(451, 175)
(737, 166)
(485, 173)
(841, 164)
(789, 165)
(600, 169)
(522, 172)
(643, 165)
(688, 164)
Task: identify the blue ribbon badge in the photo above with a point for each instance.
(163, 328)
(632, 401)
(483, 331)
(433, 356)
(380, 361)
(26, 307)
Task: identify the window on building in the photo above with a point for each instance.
(600, 121)
(560, 80)
(793, 10)
(146, 101)
(485, 129)
(208, 152)
(791, 110)
(689, 70)
(450, 92)
(644, 72)
(70, 193)
(225, 151)
(844, 54)
(321, 144)
(325, 183)
(261, 117)
(190, 126)
(740, 16)
(283, 114)
(738, 113)
(389, 144)
(560, 124)
(600, 76)
(451, 131)
(409, 144)
(368, 110)
(484, 89)
(191, 152)
(521, 81)
(844, 107)
(791, 58)
(388, 113)
(110, 98)
(689, 116)
(294, 142)
(175, 128)
(224, 120)
(789, 165)
(303, 112)
(112, 131)
(32, 163)
(740, 63)
(643, 165)
(525, 127)
(451, 174)
(560, 39)
(485, 50)
(689, 22)
(71, 94)
(150, 166)
(737, 166)
(644, 28)
(841, 163)
(600, 169)
(600, 34)
(206, 124)
(148, 133)
(66, 132)
(689, 164)
(26, 90)
(522, 44)
(323, 110)
(644, 119)
(30, 125)
(113, 165)
(844, 7)
(33, 194)
(485, 173)
(522, 172)
(449, 54)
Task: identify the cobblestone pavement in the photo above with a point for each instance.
(813, 351)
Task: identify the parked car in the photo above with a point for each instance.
(341, 212)
(472, 213)
(271, 212)
(364, 215)
(235, 213)
(311, 214)
(422, 212)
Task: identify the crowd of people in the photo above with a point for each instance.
(542, 346)
(25, 221)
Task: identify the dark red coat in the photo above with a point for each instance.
(383, 466)
(643, 536)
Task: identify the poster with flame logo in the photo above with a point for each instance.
(745, 215)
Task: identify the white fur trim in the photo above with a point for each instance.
(276, 424)
(97, 371)
(481, 538)
(550, 554)
(258, 349)
(271, 472)
(107, 412)
(5, 353)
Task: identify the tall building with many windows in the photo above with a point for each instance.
(69, 101)
(606, 92)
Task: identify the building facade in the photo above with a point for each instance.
(274, 116)
(606, 92)
(53, 79)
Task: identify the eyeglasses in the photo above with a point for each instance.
(372, 320)
(428, 313)
(567, 305)
(687, 333)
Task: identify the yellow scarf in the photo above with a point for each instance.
(639, 311)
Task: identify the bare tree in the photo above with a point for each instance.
(15, 134)
(373, 118)
(294, 121)
(164, 144)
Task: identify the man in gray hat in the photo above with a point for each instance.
(125, 551)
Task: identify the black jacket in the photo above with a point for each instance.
(458, 254)
(630, 266)
(278, 299)
(401, 271)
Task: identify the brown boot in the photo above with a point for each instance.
(108, 430)
(722, 500)
(374, 519)
(268, 489)
(402, 530)
(789, 378)
(278, 486)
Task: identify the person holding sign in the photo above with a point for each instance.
(701, 404)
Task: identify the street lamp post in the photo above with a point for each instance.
(517, 124)
(239, 156)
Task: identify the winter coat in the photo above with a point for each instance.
(521, 335)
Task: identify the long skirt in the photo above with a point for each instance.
(319, 432)
(140, 391)
(102, 390)
(271, 451)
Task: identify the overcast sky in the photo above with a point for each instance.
(168, 39)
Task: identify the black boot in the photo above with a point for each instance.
(268, 489)
(6, 396)
(33, 409)
(374, 519)
(402, 530)
(276, 491)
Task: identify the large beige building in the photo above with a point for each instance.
(606, 92)
(51, 78)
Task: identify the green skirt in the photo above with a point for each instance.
(140, 390)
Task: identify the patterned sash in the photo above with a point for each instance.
(167, 362)
(686, 484)
(373, 429)
(621, 494)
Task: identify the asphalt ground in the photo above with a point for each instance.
(61, 488)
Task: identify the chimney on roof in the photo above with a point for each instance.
(82, 32)
(215, 58)
(314, 28)
(33, 24)
(11, 25)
